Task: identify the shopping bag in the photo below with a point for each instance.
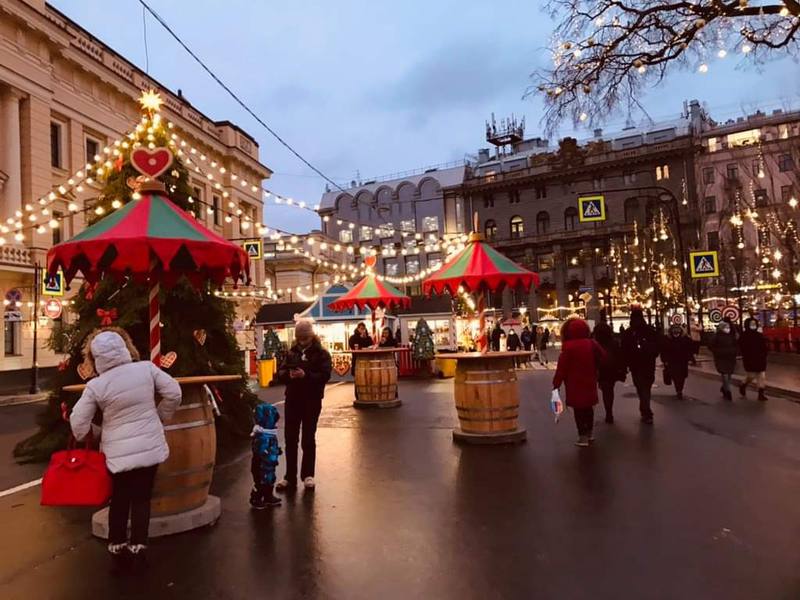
(76, 477)
(556, 405)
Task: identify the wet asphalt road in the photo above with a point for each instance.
(17, 423)
(704, 505)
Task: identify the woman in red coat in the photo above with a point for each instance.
(577, 370)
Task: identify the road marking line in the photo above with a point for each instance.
(20, 488)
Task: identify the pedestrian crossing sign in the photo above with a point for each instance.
(253, 249)
(591, 208)
(704, 263)
(53, 285)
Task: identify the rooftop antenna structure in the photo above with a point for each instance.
(510, 131)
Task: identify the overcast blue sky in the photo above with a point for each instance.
(374, 86)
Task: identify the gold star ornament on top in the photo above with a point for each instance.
(151, 101)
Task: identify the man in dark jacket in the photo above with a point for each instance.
(526, 338)
(513, 342)
(639, 350)
(724, 348)
(676, 352)
(754, 358)
(612, 369)
(305, 371)
(495, 336)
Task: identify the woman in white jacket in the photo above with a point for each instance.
(132, 433)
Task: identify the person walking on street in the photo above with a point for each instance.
(696, 334)
(723, 346)
(640, 349)
(526, 337)
(612, 369)
(513, 344)
(754, 349)
(494, 337)
(677, 352)
(544, 341)
(133, 439)
(305, 371)
(577, 368)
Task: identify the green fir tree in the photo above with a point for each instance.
(184, 311)
(422, 347)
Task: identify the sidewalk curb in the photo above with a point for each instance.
(22, 399)
(793, 395)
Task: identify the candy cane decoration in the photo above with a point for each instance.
(483, 336)
(155, 324)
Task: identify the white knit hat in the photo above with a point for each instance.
(303, 327)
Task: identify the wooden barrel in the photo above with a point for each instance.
(182, 482)
(376, 378)
(486, 396)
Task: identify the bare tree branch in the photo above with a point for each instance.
(609, 52)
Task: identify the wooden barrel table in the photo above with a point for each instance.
(376, 378)
(487, 398)
(180, 493)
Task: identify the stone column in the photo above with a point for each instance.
(10, 152)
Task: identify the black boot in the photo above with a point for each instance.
(727, 395)
(762, 397)
(743, 390)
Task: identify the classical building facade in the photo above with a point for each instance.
(526, 195)
(64, 97)
(748, 191)
(399, 216)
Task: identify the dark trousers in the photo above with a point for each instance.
(584, 420)
(131, 495)
(678, 383)
(608, 398)
(301, 414)
(643, 385)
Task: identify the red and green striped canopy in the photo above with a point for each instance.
(148, 236)
(476, 267)
(373, 293)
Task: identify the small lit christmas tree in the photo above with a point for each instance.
(423, 348)
(272, 344)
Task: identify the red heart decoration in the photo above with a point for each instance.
(168, 360)
(151, 162)
(85, 370)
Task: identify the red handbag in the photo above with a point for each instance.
(76, 477)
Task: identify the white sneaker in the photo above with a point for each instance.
(282, 485)
(309, 483)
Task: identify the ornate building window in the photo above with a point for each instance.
(570, 218)
(490, 229)
(517, 227)
(542, 222)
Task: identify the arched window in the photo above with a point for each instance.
(517, 227)
(542, 222)
(490, 229)
(570, 218)
(631, 209)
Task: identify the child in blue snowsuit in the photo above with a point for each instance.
(266, 451)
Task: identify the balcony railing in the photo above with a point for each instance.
(14, 255)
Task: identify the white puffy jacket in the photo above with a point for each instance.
(133, 434)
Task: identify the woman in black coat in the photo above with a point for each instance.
(612, 369)
(676, 352)
(754, 350)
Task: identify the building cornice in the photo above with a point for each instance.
(87, 53)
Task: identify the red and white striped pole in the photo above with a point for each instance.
(155, 323)
(483, 335)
